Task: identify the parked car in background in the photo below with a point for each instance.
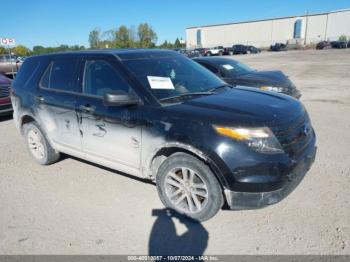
(9, 65)
(237, 73)
(240, 49)
(158, 115)
(201, 50)
(228, 50)
(348, 45)
(217, 50)
(324, 45)
(278, 47)
(339, 44)
(253, 50)
(5, 102)
(191, 53)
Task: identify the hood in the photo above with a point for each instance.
(242, 106)
(4, 80)
(276, 78)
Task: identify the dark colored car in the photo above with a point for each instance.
(228, 50)
(5, 101)
(348, 45)
(189, 53)
(236, 73)
(240, 49)
(253, 49)
(9, 65)
(278, 47)
(201, 51)
(324, 45)
(338, 44)
(158, 115)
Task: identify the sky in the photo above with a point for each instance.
(56, 22)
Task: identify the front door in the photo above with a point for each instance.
(109, 134)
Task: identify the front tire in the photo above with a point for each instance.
(38, 146)
(187, 185)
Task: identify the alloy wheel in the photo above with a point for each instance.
(186, 190)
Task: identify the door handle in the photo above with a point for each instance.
(39, 99)
(87, 108)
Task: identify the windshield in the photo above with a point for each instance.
(232, 68)
(172, 76)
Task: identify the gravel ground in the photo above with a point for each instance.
(74, 207)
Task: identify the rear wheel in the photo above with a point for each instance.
(187, 185)
(38, 146)
(220, 53)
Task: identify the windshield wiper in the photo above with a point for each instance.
(220, 87)
(167, 99)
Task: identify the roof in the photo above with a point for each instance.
(269, 19)
(127, 53)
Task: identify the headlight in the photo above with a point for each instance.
(259, 139)
(272, 88)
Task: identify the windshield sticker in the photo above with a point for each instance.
(228, 67)
(157, 82)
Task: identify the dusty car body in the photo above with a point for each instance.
(5, 101)
(159, 115)
(236, 73)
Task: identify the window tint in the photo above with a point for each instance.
(26, 71)
(101, 77)
(60, 74)
(211, 68)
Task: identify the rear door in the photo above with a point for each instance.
(56, 102)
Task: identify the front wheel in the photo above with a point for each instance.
(187, 185)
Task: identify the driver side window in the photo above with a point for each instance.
(100, 77)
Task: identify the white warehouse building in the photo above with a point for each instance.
(304, 29)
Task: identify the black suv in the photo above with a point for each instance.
(240, 49)
(158, 115)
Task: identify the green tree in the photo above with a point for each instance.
(38, 49)
(21, 50)
(3, 50)
(177, 43)
(94, 38)
(147, 37)
(124, 37)
(342, 38)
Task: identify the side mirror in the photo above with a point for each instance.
(120, 98)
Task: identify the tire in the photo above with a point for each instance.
(220, 53)
(210, 199)
(208, 54)
(231, 53)
(38, 146)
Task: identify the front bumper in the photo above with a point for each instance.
(254, 200)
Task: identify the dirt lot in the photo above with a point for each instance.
(73, 207)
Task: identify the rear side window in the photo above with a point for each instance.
(60, 75)
(25, 73)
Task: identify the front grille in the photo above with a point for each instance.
(4, 91)
(295, 136)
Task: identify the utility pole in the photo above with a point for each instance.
(10, 56)
(325, 31)
(306, 25)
